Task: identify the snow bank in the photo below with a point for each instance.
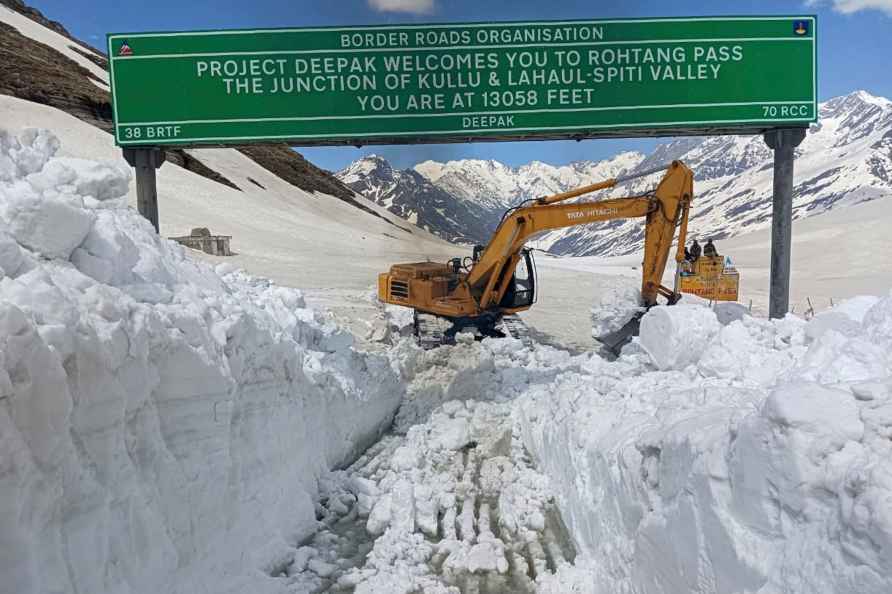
(617, 304)
(675, 336)
(162, 424)
(758, 459)
(492, 370)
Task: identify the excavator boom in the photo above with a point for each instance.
(665, 209)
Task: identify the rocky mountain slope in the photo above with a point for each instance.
(288, 219)
(413, 197)
(465, 200)
(41, 61)
(844, 160)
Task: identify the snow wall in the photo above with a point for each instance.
(754, 456)
(158, 418)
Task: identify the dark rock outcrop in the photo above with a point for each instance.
(36, 72)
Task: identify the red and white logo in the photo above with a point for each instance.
(125, 50)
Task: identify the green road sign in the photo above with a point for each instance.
(463, 82)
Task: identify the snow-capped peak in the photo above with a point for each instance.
(364, 167)
(432, 170)
(496, 186)
(846, 158)
(410, 195)
(858, 102)
(872, 99)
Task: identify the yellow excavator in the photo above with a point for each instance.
(483, 292)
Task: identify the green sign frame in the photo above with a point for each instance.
(398, 84)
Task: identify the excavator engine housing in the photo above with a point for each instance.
(442, 289)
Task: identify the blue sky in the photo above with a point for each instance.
(855, 46)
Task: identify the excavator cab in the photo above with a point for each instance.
(521, 292)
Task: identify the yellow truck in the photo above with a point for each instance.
(709, 277)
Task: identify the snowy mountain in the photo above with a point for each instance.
(465, 199)
(488, 183)
(281, 211)
(410, 195)
(844, 160)
(498, 186)
(41, 61)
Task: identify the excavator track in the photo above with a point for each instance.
(515, 327)
(431, 331)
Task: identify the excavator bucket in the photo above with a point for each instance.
(616, 340)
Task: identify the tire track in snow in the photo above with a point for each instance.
(450, 501)
(454, 505)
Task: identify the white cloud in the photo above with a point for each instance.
(411, 6)
(850, 6)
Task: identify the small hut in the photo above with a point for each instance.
(201, 239)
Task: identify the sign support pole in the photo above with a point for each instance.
(783, 142)
(146, 161)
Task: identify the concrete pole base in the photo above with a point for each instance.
(783, 141)
(146, 161)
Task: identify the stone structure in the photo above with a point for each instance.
(201, 239)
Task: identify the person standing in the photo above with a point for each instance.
(709, 248)
(695, 251)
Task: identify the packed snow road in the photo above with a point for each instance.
(448, 502)
(454, 503)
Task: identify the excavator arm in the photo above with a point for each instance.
(665, 209)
